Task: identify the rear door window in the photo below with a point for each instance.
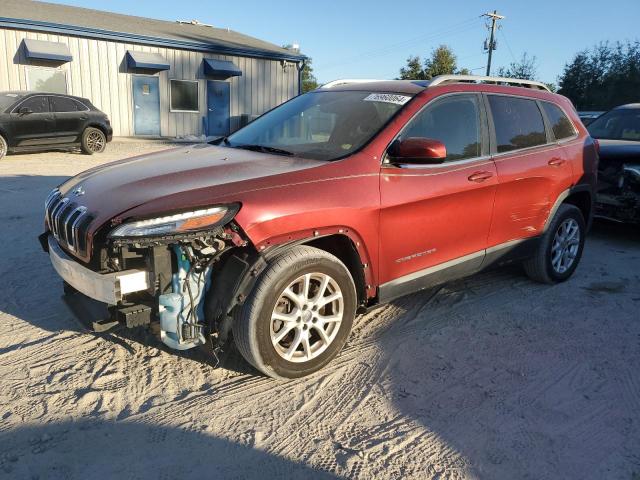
(560, 123)
(518, 123)
(454, 121)
(64, 104)
(38, 104)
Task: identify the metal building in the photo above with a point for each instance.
(151, 77)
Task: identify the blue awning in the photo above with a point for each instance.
(146, 61)
(43, 50)
(220, 68)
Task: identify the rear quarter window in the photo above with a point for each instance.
(560, 123)
(65, 104)
(518, 123)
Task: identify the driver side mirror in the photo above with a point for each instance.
(418, 150)
(24, 110)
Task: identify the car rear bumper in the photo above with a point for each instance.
(109, 133)
(109, 288)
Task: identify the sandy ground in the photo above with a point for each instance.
(489, 377)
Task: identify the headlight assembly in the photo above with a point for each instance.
(184, 222)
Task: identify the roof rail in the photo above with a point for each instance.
(346, 81)
(515, 82)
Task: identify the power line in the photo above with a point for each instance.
(504, 37)
(456, 28)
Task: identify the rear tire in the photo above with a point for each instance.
(93, 141)
(3, 147)
(299, 314)
(560, 249)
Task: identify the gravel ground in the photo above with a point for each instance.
(489, 377)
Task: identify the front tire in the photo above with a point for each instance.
(299, 314)
(3, 147)
(93, 141)
(560, 249)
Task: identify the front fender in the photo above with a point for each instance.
(347, 206)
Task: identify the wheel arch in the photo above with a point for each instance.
(580, 196)
(97, 125)
(583, 200)
(237, 273)
(342, 247)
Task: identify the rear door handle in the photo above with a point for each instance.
(480, 176)
(556, 162)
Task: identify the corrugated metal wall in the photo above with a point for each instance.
(98, 72)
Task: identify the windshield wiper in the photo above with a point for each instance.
(265, 149)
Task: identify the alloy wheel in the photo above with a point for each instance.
(95, 141)
(565, 246)
(306, 317)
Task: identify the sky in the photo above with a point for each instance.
(372, 39)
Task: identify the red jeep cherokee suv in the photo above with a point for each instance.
(340, 199)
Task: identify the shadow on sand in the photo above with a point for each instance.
(112, 449)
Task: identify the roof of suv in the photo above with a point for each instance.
(413, 87)
(26, 93)
(400, 86)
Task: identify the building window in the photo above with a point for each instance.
(184, 96)
(50, 80)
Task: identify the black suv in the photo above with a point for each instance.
(618, 132)
(45, 121)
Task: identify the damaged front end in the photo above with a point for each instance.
(619, 192)
(179, 272)
(181, 275)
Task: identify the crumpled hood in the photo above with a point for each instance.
(623, 150)
(112, 189)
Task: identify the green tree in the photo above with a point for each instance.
(309, 81)
(412, 70)
(525, 68)
(605, 76)
(441, 62)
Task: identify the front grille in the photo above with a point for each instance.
(68, 221)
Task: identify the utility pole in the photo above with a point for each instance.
(492, 39)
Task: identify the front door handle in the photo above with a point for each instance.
(556, 162)
(480, 176)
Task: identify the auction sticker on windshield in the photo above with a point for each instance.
(387, 98)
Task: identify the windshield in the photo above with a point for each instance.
(8, 99)
(622, 124)
(322, 125)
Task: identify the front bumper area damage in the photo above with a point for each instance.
(619, 193)
(183, 288)
(108, 288)
(182, 311)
